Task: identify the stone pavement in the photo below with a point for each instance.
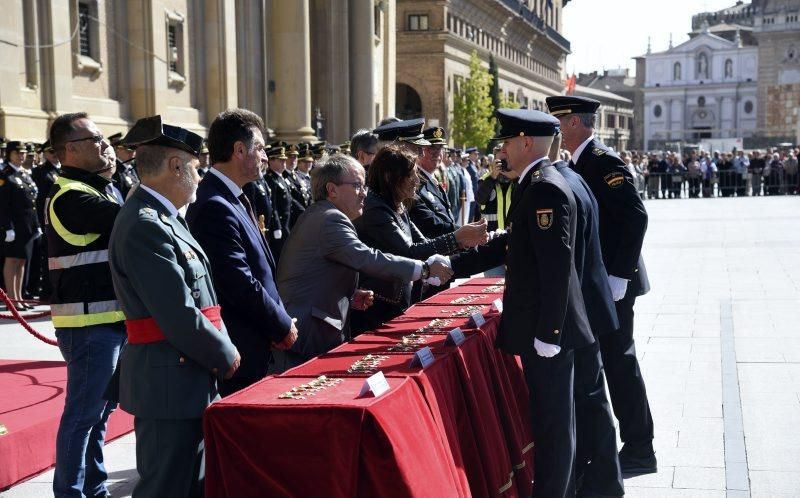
(719, 342)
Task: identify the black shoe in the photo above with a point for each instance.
(638, 464)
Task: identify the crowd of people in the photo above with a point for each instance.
(179, 269)
(699, 173)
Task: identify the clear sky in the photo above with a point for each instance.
(605, 34)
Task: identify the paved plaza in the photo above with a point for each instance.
(719, 342)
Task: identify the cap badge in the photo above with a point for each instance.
(437, 133)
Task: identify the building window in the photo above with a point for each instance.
(418, 22)
(657, 111)
(84, 29)
(612, 121)
(376, 15)
(676, 71)
(748, 107)
(86, 56)
(701, 101)
(175, 50)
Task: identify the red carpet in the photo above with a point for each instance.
(31, 403)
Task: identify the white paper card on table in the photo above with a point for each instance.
(375, 385)
(455, 337)
(423, 357)
(497, 305)
(476, 320)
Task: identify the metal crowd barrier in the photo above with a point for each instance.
(724, 183)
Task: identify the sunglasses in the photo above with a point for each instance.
(94, 138)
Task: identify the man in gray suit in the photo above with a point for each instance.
(178, 347)
(321, 259)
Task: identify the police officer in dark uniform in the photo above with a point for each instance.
(205, 163)
(623, 222)
(281, 200)
(431, 211)
(301, 197)
(125, 177)
(19, 223)
(258, 193)
(45, 176)
(597, 463)
(544, 318)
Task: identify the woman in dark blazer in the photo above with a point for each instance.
(386, 226)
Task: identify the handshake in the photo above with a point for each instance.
(440, 270)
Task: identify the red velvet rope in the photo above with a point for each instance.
(15, 315)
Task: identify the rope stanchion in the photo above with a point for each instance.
(23, 319)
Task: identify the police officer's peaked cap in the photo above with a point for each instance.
(470, 150)
(409, 131)
(435, 135)
(306, 154)
(562, 105)
(115, 139)
(294, 150)
(16, 145)
(525, 122)
(153, 131)
(277, 152)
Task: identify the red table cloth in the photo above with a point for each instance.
(461, 299)
(469, 288)
(445, 311)
(332, 444)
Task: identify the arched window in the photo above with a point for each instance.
(676, 71)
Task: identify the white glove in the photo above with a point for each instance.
(496, 233)
(434, 281)
(545, 350)
(438, 258)
(10, 235)
(618, 287)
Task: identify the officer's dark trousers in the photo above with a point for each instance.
(550, 384)
(625, 381)
(169, 458)
(596, 438)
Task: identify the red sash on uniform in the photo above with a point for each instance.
(146, 330)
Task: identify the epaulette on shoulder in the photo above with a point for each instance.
(597, 151)
(148, 212)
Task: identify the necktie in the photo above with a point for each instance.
(249, 208)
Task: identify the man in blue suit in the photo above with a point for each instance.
(222, 220)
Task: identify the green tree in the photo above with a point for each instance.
(473, 113)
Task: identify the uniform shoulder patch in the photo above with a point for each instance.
(597, 151)
(615, 179)
(544, 218)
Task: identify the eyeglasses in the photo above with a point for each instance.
(94, 138)
(358, 186)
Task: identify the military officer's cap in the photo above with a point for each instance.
(318, 149)
(525, 122)
(277, 152)
(204, 148)
(470, 150)
(294, 150)
(435, 135)
(409, 131)
(115, 139)
(30, 147)
(279, 143)
(332, 149)
(153, 131)
(306, 154)
(562, 105)
(15, 145)
(47, 146)
(345, 148)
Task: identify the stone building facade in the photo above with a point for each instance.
(303, 65)
(777, 31)
(435, 39)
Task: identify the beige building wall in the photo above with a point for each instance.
(431, 62)
(190, 59)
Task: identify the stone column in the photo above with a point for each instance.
(292, 70)
(144, 28)
(220, 57)
(390, 59)
(362, 73)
